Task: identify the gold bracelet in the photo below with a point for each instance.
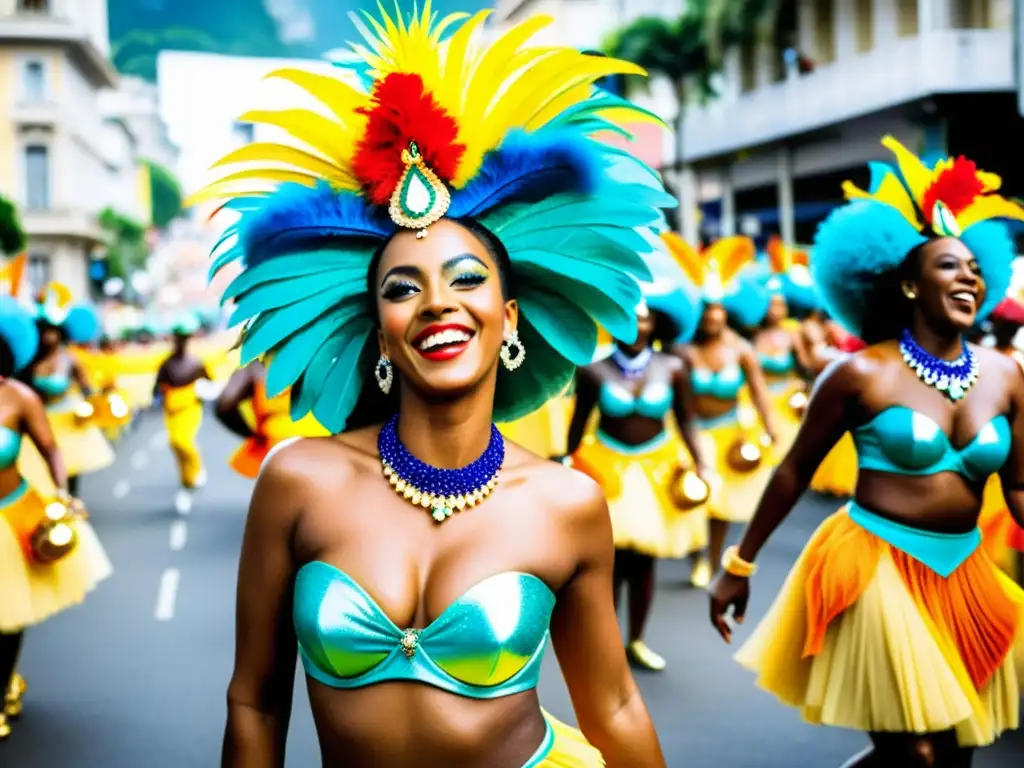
(735, 565)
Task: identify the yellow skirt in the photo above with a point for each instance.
(84, 450)
(545, 431)
(636, 483)
(863, 636)
(837, 474)
(564, 747)
(137, 389)
(182, 431)
(736, 493)
(998, 528)
(32, 592)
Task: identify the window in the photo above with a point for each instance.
(37, 178)
(825, 31)
(864, 16)
(907, 18)
(748, 66)
(34, 81)
(38, 6)
(38, 271)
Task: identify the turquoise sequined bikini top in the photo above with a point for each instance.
(902, 441)
(53, 386)
(487, 644)
(618, 402)
(721, 385)
(10, 447)
(778, 364)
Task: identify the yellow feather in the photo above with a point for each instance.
(455, 64)
(891, 192)
(585, 73)
(262, 152)
(624, 115)
(730, 255)
(269, 176)
(687, 257)
(333, 92)
(989, 207)
(916, 174)
(331, 139)
(991, 181)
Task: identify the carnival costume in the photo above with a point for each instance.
(424, 128)
(644, 483)
(883, 627)
(733, 441)
(269, 419)
(183, 416)
(80, 440)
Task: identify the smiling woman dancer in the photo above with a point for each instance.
(894, 620)
(463, 243)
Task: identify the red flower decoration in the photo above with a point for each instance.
(1009, 311)
(403, 111)
(956, 186)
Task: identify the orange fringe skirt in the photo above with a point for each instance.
(863, 636)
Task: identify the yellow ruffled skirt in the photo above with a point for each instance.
(735, 493)
(636, 480)
(32, 592)
(545, 431)
(83, 447)
(182, 430)
(837, 474)
(1001, 535)
(863, 636)
(564, 747)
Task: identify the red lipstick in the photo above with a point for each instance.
(446, 351)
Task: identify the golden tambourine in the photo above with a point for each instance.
(109, 409)
(798, 403)
(745, 455)
(688, 490)
(84, 411)
(55, 537)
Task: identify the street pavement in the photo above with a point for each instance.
(136, 677)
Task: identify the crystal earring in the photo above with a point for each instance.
(385, 374)
(512, 351)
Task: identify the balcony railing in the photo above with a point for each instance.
(947, 61)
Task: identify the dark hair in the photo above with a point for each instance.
(666, 329)
(495, 248)
(46, 325)
(887, 311)
(6, 360)
(1004, 331)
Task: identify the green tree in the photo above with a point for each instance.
(127, 249)
(12, 236)
(165, 193)
(676, 49)
(730, 23)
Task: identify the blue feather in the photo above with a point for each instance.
(529, 167)
(82, 325)
(19, 331)
(296, 216)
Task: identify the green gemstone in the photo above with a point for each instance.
(414, 151)
(438, 514)
(418, 195)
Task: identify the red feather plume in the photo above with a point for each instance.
(403, 111)
(956, 186)
(1009, 311)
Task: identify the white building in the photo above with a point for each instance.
(770, 153)
(136, 103)
(60, 161)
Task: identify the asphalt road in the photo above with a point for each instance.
(135, 678)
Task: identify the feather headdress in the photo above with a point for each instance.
(790, 274)
(55, 306)
(905, 206)
(429, 124)
(17, 326)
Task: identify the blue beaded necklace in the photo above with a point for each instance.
(952, 378)
(442, 491)
(632, 367)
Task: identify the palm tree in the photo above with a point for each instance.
(674, 48)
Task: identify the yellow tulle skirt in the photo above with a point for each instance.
(837, 474)
(84, 449)
(863, 636)
(787, 420)
(564, 747)
(636, 481)
(137, 389)
(735, 492)
(32, 592)
(545, 431)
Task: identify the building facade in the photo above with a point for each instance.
(62, 160)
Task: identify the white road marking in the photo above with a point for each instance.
(167, 594)
(121, 489)
(158, 439)
(179, 535)
(139, 460)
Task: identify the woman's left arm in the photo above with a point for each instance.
(758, 389)
(587, 641)
(1012, 473)
(682, 409)
(80, 378)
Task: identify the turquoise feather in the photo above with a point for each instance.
(271, 328)
(521, 392)
(311, 387)
(326, 262)
(341, 388)
(569, 329)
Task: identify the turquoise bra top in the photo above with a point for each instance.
(488, 643)
(618, 402)
(10, 447)
(721, 385)
(902, 441)
(55, 385)
(778, 364)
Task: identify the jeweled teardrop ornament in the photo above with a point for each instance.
(944, 223)
(420, 198)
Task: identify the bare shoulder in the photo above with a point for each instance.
(296, 471)
(672, 363)
(739, 343)
(992, 361)
(25, 394)
(564, 492)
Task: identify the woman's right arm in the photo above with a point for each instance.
(831, 412)
(37, 427)
(586, 401)
(260, 693)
